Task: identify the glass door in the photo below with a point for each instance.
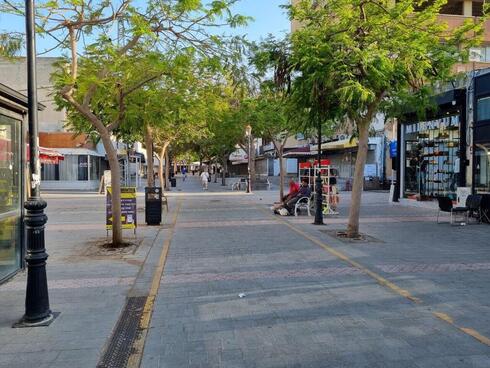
(10, 195)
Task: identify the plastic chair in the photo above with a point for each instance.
(445, 205)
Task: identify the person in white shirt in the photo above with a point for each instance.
(204, 180)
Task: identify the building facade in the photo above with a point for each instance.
(80, 166)
(449, 149)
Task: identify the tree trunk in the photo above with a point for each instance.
(357, 186)
(167, 171)
(161, 158)
(149, 153)
(281, 173)
(225, 168)
(116, 189)
(252, 164)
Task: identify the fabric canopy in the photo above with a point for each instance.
(47, 156)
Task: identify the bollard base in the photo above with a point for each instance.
(23, 323)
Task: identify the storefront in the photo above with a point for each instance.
(432, 151)
(12, 114)
(481, 139)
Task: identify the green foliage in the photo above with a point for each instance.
(9, 45)
(354, 54)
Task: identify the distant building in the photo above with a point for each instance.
(81, 165)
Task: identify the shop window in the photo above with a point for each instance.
(82, 167)
(10, 229)
(432, 163)
(95, 172)
(482, 168)
(10, 167)
(50, 172)
(10, 195)
(483, 109)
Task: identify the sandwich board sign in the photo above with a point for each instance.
(128, 208)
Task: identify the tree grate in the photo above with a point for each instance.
(120, 345)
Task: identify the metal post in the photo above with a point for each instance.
(318, 181)
(249, 183)
(37, 311)
(248, 133)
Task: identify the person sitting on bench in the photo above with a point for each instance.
(293, 190)
(304, 191)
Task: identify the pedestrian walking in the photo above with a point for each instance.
(204, 180)
(184, 173)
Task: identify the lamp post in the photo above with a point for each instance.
(318, 181)
(248, 133)
(37, 311)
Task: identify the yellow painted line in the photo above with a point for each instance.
(384, 282)
(483, 339)
(469, 331)
(134, 360)
(379, 279)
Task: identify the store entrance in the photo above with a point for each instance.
(10, 195)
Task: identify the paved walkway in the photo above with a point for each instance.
(244, 288)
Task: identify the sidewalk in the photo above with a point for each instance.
(87, 287)
(244, 288)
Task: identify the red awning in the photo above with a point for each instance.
(48, 156)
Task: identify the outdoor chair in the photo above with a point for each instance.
(472, 207)
(303, 203)
(445, 205)
(473, 203)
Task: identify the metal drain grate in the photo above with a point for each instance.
(121, 342)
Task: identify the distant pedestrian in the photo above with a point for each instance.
(184, 173)
(204, 180)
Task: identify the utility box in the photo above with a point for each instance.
(153, 206)
(173, 182)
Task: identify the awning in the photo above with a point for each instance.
(79, 152)
(50, 156)
(47, 156)
(340, 144)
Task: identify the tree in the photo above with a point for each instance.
(95, 86)
(368, 52)
(273, 119)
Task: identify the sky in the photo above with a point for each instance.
(269, 18)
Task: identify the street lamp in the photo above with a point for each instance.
(248, 133)
(37, 311)
(318, 181)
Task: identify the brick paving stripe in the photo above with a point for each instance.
(74, 283)
(207, 277)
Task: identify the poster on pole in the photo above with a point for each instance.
(128, 208)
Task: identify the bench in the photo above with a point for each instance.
(303, 203)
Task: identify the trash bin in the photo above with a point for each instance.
(173, 182)
(153, 206)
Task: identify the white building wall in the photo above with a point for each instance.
(14, 75)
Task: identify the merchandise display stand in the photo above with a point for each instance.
(432, 153)
(309, 171)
